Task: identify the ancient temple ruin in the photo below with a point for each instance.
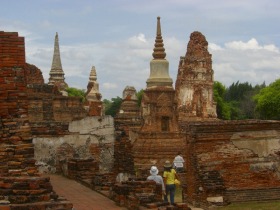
(195, 79)
(159, 138)
(226, 161)
(45, 131)
(57, 74)
(128, 115)
(126, 120)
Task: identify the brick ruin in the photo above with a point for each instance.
(226, 161)
(69, 134)
(20, 183)
(195, 79)
(232, 161)
(159, 138)
(42, 130)
(128, 118)
(93, 96)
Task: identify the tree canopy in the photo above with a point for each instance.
(76, 92)
(268, 101)
(223, 108)
(237, 101)
(112, 107)
(139, 95)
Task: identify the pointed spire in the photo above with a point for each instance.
(159, 51)
(56, 73)
(56, 63)
(159, 66)
(93, 87)
(92, 76)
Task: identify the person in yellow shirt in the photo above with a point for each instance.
(169, 176)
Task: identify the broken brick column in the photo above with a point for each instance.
(194, 83)
(19, 180)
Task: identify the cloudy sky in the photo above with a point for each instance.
(117, 37)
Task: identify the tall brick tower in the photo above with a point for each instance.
(159, 138)
(56, 73)
(195, 79)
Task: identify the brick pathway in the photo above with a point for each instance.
(82, 197)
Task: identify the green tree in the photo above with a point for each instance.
(76, 92)
(268, 101)
(223, 108)
(107, 104)
(139, 96)
(112, 107)
(240, 98)
(236, 91)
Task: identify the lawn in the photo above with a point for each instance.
(272, 205)
(178, 194)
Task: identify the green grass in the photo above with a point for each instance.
(273, 205)
(178, 194)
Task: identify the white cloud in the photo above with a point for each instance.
(214, 47)
(138, 42)
(252, 44)
(109, 86)
(141, 37)
(119, 64)
(245, 62)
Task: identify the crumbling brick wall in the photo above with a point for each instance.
(88, 138)
(232, 161)
(46, 105)
(33, 75)
(19, 179)
(16, 141)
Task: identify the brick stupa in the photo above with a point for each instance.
(93, 96)
(159, 138)
(128, 118)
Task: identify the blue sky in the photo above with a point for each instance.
(117, 37)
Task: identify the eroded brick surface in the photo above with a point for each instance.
(194, 84)
(225, 161)
(19, 180)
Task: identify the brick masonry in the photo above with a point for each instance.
(194, 83)
(20, 183)
(231, 161)
(128, 117)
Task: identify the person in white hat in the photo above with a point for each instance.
(157, 178)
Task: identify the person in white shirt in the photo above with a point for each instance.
(179, 163)
(157, 178)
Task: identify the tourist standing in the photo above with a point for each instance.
(157, 178)
(179, 163)
(169, 176)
